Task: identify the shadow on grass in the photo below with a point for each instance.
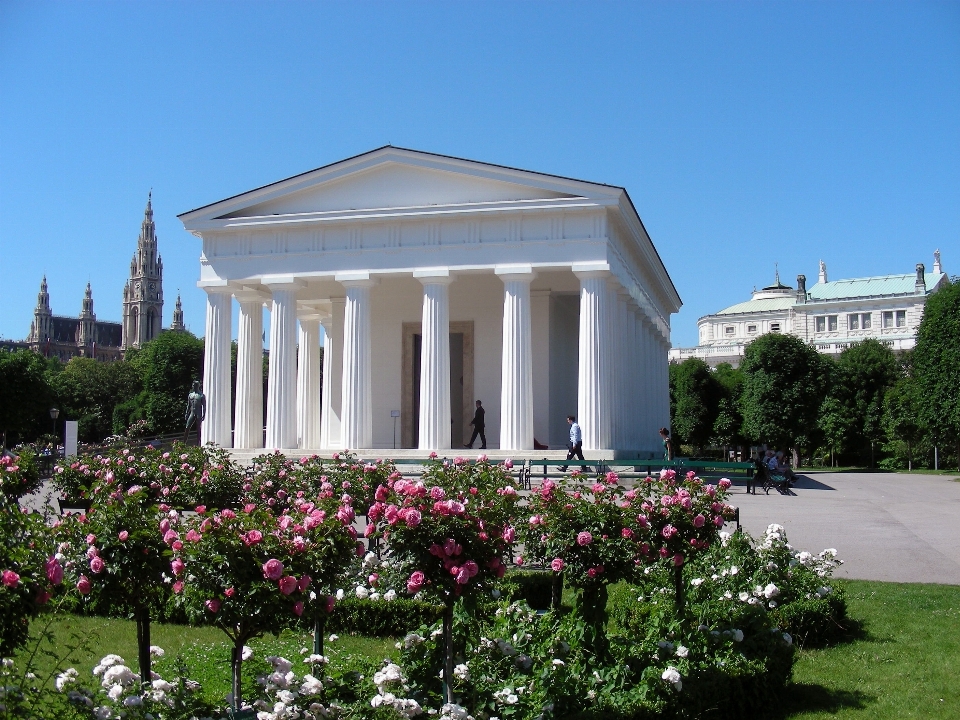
(802, 697)
(840, 633)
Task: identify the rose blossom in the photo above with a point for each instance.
(97, 565)
(10, 578)
(584, 538)
(177, 566)
(252, 537)
(212, 605)
(123, 536)
(288, 583)
(415, 582)
(84, 585)
(54, 571)
(412, 517)
(273, 569)
(557, 565)
(298, 609)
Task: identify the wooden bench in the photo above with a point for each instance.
(771, 478)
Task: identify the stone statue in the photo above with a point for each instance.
(196, 409)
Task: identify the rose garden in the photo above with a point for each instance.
(589, 597)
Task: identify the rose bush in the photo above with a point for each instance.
(19, 474)
(253, 571)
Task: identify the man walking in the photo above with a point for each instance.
(575, 446)
(478, 426)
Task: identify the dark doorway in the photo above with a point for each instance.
(456, 388)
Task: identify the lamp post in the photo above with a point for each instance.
(54, 414)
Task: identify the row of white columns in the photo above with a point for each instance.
(622, 376)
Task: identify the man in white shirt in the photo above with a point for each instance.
(575, 446)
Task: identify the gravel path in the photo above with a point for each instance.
(885, 526)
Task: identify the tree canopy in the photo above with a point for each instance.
(694, 396)
(25, 396)
(783, 387)
(936, 367)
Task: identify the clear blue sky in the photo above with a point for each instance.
(747, 133)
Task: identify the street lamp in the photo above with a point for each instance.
(54, 414)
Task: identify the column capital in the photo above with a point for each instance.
(515, 272)
(215, 287)
(434, 276)
(355, 279)
(585, 271)
(282, 282)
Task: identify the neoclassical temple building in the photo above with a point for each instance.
(437, 282)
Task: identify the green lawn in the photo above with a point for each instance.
(903, 662)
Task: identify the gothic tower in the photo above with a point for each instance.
(86, 332)
(143, 293)
(41, 330)
(177, 324)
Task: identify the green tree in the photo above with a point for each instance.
(168, 364)
(89, 391)
(729, 421)
(936, 367)
(25, 396)
(863, 374)
(900, 416)
(694, 395)
(783, 387)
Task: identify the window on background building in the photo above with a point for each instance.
(865, 321)
(901, 318)
(853, 322)
(887, 317)
(774, 327)
(820, 324)
(729, 330)
(832, 323)
(752, 329)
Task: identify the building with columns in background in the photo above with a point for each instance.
(437, 282)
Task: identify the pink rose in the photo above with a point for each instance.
(678, 560)
(54, 571)
(10, 578)
(509, 534)
(288, 583)
(97, 565)
(331, 603)
(164, 525)
(177, 566)
(200, 509)
(724, 484)
(273, 569)
(626, 532)
(84, 585)
(584, 538)
(471, 567)
(508, 464)
(557, 565)
(373, 579)
(298, 609)
(230, 592)
(415, 582)
(591, 573)
(463, 577)
(668, 531)
(252, 537)
(170, 536)
(212, 605)
(123, 536)
(304, 583)
(412, 517)
(698, 521)
(194, 536)
(381, 493)
(178, 587)
(91, 539)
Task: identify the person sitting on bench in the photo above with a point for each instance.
(784, 468)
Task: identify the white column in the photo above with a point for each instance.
(633, 367)
(326, 391)
(357, 395)
(308, 383)
(282, 381)
(516, 378)
(434, 421)
(594, 349)
(664, 359)
(540, 339)
(216, 368)
(248, 410)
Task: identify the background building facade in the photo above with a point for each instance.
(831, 315)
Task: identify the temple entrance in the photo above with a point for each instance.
(461, 384)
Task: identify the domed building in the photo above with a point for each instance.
(831, 315)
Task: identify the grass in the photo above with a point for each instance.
(903, 660)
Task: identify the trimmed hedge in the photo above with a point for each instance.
(379, 618)
(816, 622)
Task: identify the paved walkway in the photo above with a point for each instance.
(885, 526)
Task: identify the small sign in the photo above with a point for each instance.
(394, 413)
(70, 439)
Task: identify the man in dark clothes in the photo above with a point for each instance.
(478, 425)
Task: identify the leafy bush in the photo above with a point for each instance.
(533, 588)
(381, 618)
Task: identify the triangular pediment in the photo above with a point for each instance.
(392, 178)
(396, 185)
